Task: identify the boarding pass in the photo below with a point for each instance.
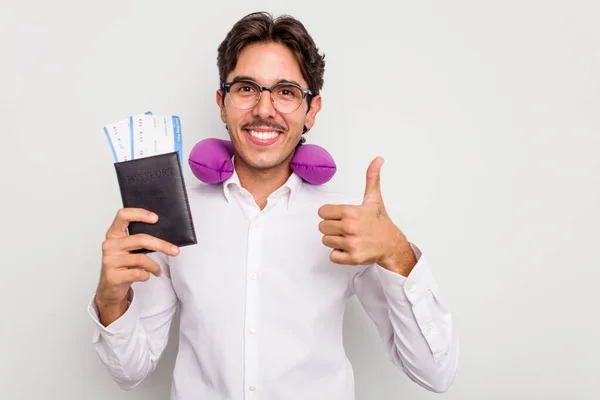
(144, 135)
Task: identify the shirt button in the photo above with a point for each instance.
(255, 224)
(252, 277)
(252, 331)
(252, 388)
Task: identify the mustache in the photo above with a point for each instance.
(263, 123)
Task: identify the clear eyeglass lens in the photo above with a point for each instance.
(286, 98)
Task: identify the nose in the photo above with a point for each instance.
(264, 108)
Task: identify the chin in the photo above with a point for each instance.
(265, 150)
(263, 163)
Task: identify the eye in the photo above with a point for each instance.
(288, 91)
(245, 88)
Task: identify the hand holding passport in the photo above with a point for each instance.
(148, 163)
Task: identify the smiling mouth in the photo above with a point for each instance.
(263, 137)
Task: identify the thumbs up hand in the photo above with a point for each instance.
(365, 234)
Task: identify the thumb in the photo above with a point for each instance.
(373, 188)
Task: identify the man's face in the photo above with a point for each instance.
(263, 137)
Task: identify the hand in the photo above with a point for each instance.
(120, 267)
(365, 234)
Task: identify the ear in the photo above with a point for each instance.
(221, 105)
(315, 107)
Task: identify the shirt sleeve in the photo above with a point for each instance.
(413, 321)
(131, 346)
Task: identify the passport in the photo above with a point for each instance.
(156, 183)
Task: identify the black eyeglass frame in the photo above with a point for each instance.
(306, 93)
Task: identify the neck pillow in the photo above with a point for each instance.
(211, 162)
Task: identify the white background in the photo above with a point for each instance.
(487, 116)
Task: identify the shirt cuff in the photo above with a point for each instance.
(122, 327)
(411, 288)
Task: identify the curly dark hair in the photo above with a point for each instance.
(286, 30)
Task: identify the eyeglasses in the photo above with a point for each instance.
(286, 97)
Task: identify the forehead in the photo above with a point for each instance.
(268, 63)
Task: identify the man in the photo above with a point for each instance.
(262, 295)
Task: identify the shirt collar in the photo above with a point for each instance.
(232, 182)
(289, 188)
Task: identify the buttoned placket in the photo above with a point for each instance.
(254, 260)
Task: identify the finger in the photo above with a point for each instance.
(333, 211)
(145, 241)
(133, 261)
(335, 242)
(332, 227)
(373, 186)
(135, 275)
(119, 226)
(340, 257)
(129, 261)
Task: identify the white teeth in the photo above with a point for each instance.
(264, 135)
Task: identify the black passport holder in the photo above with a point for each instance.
(156, 183)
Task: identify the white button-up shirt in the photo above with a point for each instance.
(261, 306)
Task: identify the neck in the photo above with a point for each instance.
(262, 182)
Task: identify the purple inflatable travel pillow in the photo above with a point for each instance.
(211, 162)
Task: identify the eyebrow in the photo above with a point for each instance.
(245, 77)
